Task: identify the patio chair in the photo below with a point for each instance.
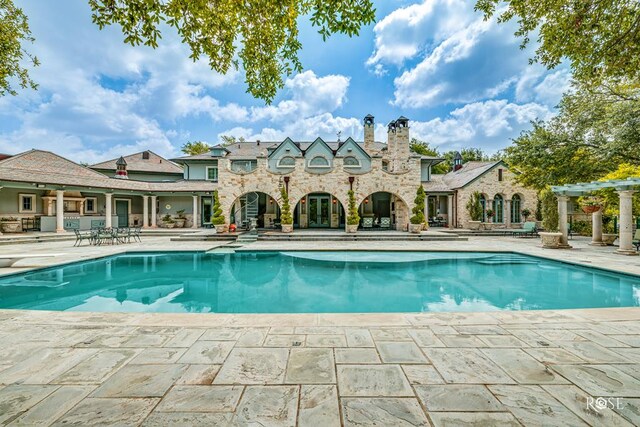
(367, 222)
(385, 222)
(528, 229)
(636, 239)
(135, 233)
(82, 236)
(105, 235)
(123, 234)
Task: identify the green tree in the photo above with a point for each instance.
(549, 210)
(418, 208)
(601, 39)
(193, 148)
(230, 140)
(285, 212)
(474, 207)
(424, 149)
(14, 59)
(353, 218)
(609, 196)
(261, 36)
(217, 218)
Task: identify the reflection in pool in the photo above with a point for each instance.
(308, 282)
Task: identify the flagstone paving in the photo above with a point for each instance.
(518, 368)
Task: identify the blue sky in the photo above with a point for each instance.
(462, 82)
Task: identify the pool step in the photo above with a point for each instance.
(336, 236)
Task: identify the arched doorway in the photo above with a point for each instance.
(516, 205)
(319, 210)
(254, 206)
(383, 210)
(498, 209)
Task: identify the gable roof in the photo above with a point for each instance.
(469, 172)
(137, 163)
(351, 142)
(321, 142)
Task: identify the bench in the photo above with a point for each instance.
(9, 260)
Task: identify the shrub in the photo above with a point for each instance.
(217, 218)
(526, 213)
(581, 227)
(418, 209)
(353, 218)
(474, 207)
(167, 218)
(490, 213)
(539, 210)
(285, 213)
(549, 210)
(180, 213)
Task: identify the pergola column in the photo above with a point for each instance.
(596, 227)
(563, 221)
(59, 211)
(154, 214)
(145, 211)
(450, 210)
(107, 210)
(195, 211)
(626, 223)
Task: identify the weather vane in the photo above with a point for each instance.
(339, 133)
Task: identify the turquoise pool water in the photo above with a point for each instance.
(308, 282)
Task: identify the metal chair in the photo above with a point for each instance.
(82, 236)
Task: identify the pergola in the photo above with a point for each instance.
(625, 189)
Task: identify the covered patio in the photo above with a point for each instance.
(625, 189)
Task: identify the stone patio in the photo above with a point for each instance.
(400, 369)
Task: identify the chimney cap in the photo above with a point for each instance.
(369, 116)
(457, 156)
(121, 162)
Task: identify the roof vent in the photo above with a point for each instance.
(258, 142)
(145, 155)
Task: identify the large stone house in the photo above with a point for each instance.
(50, 193)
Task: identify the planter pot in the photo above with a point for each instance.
(11, 227)
(415, 228)
(351, 228)
(169, 225)
(474, 225)
(590, 209)
(287, 228)
(220, 228)
(608, 239)
(180, 222)
(550, 240)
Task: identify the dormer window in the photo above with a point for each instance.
(286, 162)
(319, 162)
(351, 162)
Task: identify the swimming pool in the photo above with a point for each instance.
(317, 282)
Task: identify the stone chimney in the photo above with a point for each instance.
(402, 151)
(457, 161)
(369, 137)
(121, 169)
(391, 139)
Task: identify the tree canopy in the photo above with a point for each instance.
(595, 131)
(600, 39)
(14, 34)
(468, 155)
(193, 148)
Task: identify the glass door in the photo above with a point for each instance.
(319, 211)
(206, 210)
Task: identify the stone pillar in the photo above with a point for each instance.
(563, 221)
(59, 211)
(626, 223)
(107, 210)
(450, 210)
(507, 213)
(195, 211)
(145, 211)
(154, 214)
(82, 208)
(596, 234)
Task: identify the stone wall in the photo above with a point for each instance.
(489, 185)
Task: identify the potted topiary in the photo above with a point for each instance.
(217, 219)
(417, 220)
(608, 232)
(526, 213)
(286, 219)
(168, 221)
(353, 218)
(10, 224)
(180, 220)
(550, 237)
(490, 214)
(474, 208)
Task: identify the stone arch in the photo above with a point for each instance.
(383, 206)
(263, 206)
(498, 206)
(320, 209)
(515, 208)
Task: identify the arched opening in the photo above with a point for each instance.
(383, 211)
(483, 203)
(498, 209)
(516, 209)
(319, 210)
(256, 207)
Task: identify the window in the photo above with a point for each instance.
(27, 203)
(90, 205)
(499, 174)
(243, 165)
(145, 155)
(515, 209)
(319, 162)
(212, 173)
(385, 165)
(352, 162)
(287, 161)
(498, 209)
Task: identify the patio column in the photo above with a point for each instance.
(506, 213)
(596, 227)
(107, 210)
(145, 211)
(195, 211)
(563, 221)
(154, 214)
(59, 211)
(450, 210)
(626, 223)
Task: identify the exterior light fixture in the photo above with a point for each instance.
(351, 179)
(366, 200)
(303, 201)
(335, 200)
